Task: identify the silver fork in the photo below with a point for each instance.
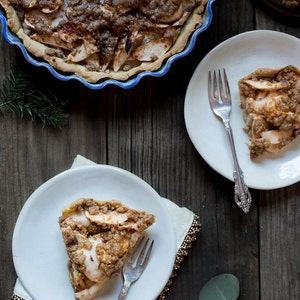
(133, 271)
(221, 107)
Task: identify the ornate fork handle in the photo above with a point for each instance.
(242, 196)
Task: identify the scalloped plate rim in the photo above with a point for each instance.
(131, 82)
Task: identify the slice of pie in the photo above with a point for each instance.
(271, 102)
(99, 236)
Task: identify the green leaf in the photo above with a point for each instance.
(221, 287)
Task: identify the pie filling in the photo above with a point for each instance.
(104, 38)
(99, 236)
(270, 99)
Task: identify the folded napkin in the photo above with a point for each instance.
(186, 225)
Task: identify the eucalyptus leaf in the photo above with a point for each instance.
(221, 287)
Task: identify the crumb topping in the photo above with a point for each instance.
(99, 236)
(106, 35)
(271, 103)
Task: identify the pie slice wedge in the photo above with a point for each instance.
(270, 99)
(98, 237)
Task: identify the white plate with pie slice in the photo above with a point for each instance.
(39, 252)
(240, 56)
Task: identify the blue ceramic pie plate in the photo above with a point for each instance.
(131, 82)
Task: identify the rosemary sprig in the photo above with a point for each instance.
(19, 94)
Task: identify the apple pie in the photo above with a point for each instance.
(98, 237)
(271, 102)
(99, 39)
(291, 4)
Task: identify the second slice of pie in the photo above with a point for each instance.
(99, 236)
(271, 102)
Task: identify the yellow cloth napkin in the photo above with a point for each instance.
(186, 225)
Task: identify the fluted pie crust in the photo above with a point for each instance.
(270, 99)
(99, 236)
(99, 39)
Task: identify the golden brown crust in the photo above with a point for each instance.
(12, 18)
(271, 102)
(143, 47)
(98, 236)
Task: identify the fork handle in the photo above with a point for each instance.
(242, 195)
(124, 290)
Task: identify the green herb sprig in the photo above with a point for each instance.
(20, 95)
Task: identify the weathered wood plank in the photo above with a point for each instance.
(142, 130)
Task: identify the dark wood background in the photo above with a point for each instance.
(142, 130)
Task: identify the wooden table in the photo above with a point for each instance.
(142, 130)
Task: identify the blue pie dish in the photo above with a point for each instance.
(129, 83)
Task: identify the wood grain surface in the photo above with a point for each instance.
(142, 130)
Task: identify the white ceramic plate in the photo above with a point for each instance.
(241, 55)
(38, 250)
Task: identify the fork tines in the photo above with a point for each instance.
(213, 87)
(135, 265)
(142, 259)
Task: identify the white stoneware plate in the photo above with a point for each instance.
(39, 253)
(241, 55)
